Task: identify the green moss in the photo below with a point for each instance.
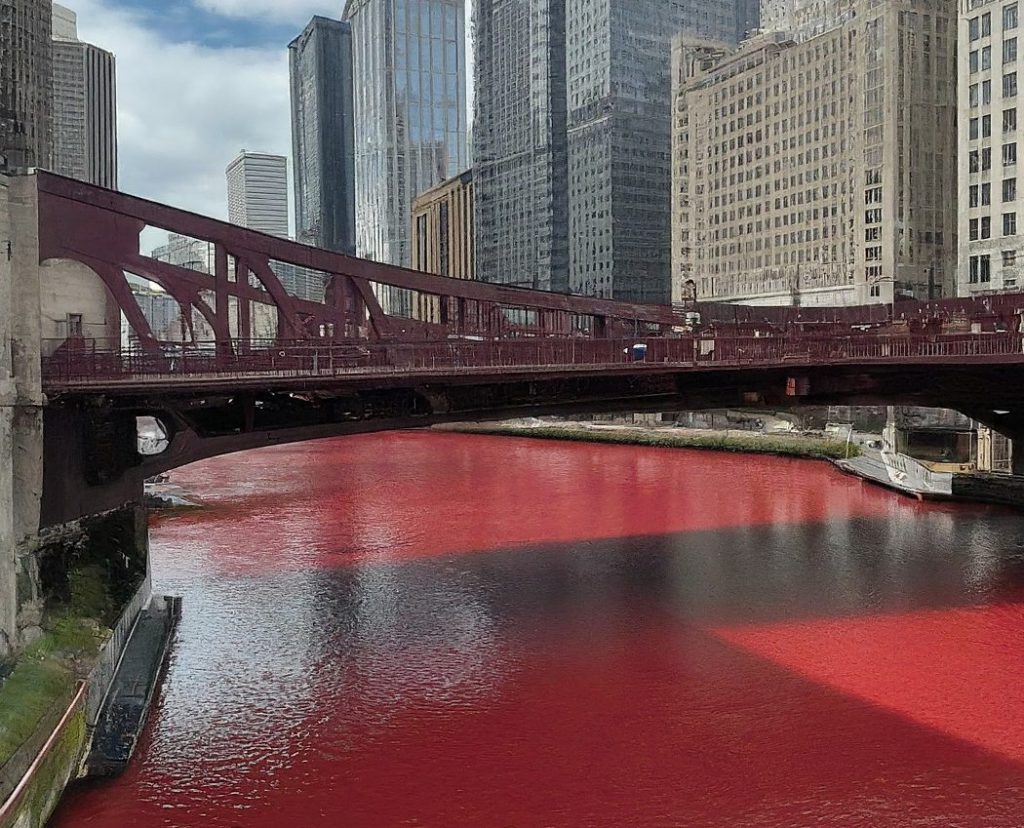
(808, 447)
(30, 692)
(90, 597)
(43, 676)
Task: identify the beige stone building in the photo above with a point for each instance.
(442, 237)
(991, 117)
(822, 171)
(442, 228)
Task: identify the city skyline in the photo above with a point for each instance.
(173, 144)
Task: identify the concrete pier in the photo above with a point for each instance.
(21, 397)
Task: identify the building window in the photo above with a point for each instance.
(1010, 16)
(1009, 189)
(986, 227)
(975, 62)
(986, 92)
(1009, 224)
(986, 24)
(1010, 85)
(1010, 50)
(974, 131)
(975, 28)
(973, 197)
(986, 126)
(986, 58)
(1009, 120)
(973, 92)
(74, 324)
(1009, 154)
(980, 270)
(974, 229)
(986, 195)
(1009, 258)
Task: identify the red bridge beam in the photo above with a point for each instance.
(145, 212)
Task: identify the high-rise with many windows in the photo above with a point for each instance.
(820, 171)
(26, 75)
(409, 77)
(84, 106)
(323, 153)
(258, 192)
(990, 73)
(572, 139)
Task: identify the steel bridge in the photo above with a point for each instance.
(251, 364)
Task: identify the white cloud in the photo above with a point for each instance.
(288, 11)
(185, 110)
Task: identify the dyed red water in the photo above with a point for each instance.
(443, 630)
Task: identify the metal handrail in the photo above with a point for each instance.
(95, 366)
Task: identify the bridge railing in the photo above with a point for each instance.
(97, 366)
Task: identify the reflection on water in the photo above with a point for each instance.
(444, 630)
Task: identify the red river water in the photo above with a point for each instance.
(448, 630)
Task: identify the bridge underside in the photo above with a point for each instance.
(92, 462)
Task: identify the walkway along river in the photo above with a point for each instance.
(451, 630)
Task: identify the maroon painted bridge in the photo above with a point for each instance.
(245, 362)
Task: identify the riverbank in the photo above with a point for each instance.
(740, 442)
(82, 592)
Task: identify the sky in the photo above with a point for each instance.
(197, 82)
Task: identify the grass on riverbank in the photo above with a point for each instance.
(46, 672)
(805, 447)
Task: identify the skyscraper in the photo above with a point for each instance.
(322, 135)
(258, 192)
(84, 106)
(25, 82)
(409, 69)
(572, 139)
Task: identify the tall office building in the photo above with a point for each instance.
(323, 151)
(991, 116)
(572, 139)
(748, 18)
(819, 172)
(409, 76)
(84, 106)
(258, 192)
(25, 82)
(520, 143)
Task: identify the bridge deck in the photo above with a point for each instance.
(290, 367)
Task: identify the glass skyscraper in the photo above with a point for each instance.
(409, 70)
(572, 140)
(322, 135)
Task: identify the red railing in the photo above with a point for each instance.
(91, 365)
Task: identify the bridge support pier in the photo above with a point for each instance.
(21, 407)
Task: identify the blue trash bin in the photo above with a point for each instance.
(639, 353)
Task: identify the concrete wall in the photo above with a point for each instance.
(35, 302)
(21, 398)
(8, 578)
(70, 289)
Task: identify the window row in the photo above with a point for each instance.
(981, 26)
(981, 229)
